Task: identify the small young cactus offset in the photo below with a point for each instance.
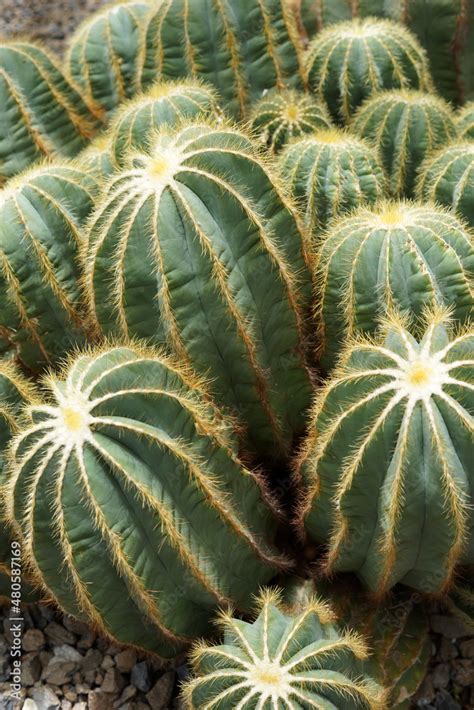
(387, 466)
(242, 48)
(448, 178)
(195, 247)
(42, 213)
(406, 126)
(106, 54)
(465, 122)
(406, 255)
(165, 104)
(329, 173)
(283, 115)
(41, 112)
(347, 63)
(133, 509)
(286, 660)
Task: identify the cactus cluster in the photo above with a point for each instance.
(236, 341)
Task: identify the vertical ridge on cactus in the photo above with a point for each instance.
(448, 178)
(225, 282)
(41, 112)
(241, 65)
(465, 122)
(105, 55)
(396, 254)
(284, 115)
(133, 509)
(407, 126)
(42, 214)
(284, 658)
(386, 467)
(164, 104)
(347, 63)
(329, 173)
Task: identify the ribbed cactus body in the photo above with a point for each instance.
(241, 48)
(195, 247)
(448, 178)
(284, 659)
(407, 126)
(465, 122)
(165, 104)
(349, 62)
(386, 468)
(41, 113)
(405, 255)
(98, 157)
(283, 115)
(106, 54)
(133, 508)
(42, 213)
(329, 173)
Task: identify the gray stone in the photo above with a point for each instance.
(463, 672)
(161, 693)
(79, 706)
(30, 669)
(99, 701)
(45, 657)
(68, 653)
(113, 681)
(33, 640)
(30, 704)
(87, 640)
(66, 705)
(448, 626)
(444, 701)
(467, 648)
(440, 675)
(447, 650)
(45, 698)
(129, 692)
(92, 660)
(75, 626)
(59, 672)
(70, 693)
(140, 677)
(125, 660)
(58, 635)
(107, 663)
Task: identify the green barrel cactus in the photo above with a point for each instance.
(349, 62)
(165, 104)
(283, 115)
(284, 659)
(405, 255)
(133, 509)
(42, 214)
(465, 122)
(105, 55)
(41, 112)
(397, 630)
(195, 247)
(386, 469)
(329, 173)
(406, 126)
(15, 393)
(445, 28)
(242, 48)
(98, 157)
(448, 178)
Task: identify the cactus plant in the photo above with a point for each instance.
(396, 629)
(239, 62)
(406, 255)
(42, 212)
(283, 115)
(443, 27)
(41, 112)
(98, 157)
(386, 469)
(465, 122)
(329, 173)
(15, 392)
(283, 659)
(194, 246)
(132, 507)
(407, 126)
(105, 55)
(448, 178)
(349, 62)
(167, 103)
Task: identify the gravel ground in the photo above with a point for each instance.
(65, 664)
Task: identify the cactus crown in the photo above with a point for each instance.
(465, 121)
(283, 115)
(282, 659)
(390, 398)
(392, 58)
(407, 126)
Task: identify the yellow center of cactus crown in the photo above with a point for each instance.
(270, 678)
(292, 112)
(330, 136)
(73, 420)
(419, 374)
(391, 217)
